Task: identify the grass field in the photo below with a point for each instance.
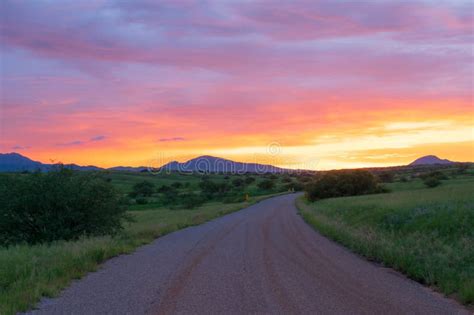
(29, 272)
(124, 181)
(428, 234)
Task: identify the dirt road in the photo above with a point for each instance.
(263, 259)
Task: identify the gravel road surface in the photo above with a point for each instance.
(263, 259)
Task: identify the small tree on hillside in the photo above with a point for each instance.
(431, 182)
(143, 189)
(249, 180)
(238, 182)
(266, 184)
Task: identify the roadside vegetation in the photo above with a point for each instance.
(343, 183)
(57, 226)
(58, 205)
(424, 227)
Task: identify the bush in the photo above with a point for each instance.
(141, 201)
(434, 174)
(58, 205)
(462, 168)
(305, 179)
(212, 189)
(177, 185)
(249, 180)
(386, 177)
(342, 183)
(238, 182)
(191, 200)
(403, 179)
(164, 189)
(431, 182)
(143, 189)
(266, 184)
(294, 185)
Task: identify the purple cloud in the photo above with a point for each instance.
(81, 142)
(70, 144)
(174, 139)
(189, 34)
(97, 138)
(19, 147)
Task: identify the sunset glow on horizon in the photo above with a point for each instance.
(298, 84)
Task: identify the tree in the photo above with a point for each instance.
(238, 182)
(177, 185)
(266, 184)
(431, 182)
(143, 189)
(462, 168)
(191, 200)
(386, 177)
(58, 205)
(249, 180)
(164, 189)
(211, 189)
(342, 183)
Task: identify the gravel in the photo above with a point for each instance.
(263, 259)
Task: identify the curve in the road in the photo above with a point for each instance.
(263, 259)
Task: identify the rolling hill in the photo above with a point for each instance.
(430, 160)
(213, 164)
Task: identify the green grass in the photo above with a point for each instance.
(124, 181)
(28, 273)
(428, 234)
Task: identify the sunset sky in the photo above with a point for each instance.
(300, 84)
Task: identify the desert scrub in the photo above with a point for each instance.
(428, 234)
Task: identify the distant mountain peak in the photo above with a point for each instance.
(430, 160)
(213, 164)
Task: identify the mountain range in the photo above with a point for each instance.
(15, 162)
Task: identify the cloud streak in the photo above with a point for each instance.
(81, 142)
(174, 139)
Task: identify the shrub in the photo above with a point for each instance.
(434, 174)
(143, 189)
(141, 201)
(164, 189)
(177, 185)
(431, 182)
(191, 200)
(342, 183)
(462, 168)
(305, 179)
(238, 182)
(386, 177)
(294, 185)
(212, 189)
(266, 184)
(58, 205)
(249, 180)
(403, 179)
(169, 197)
